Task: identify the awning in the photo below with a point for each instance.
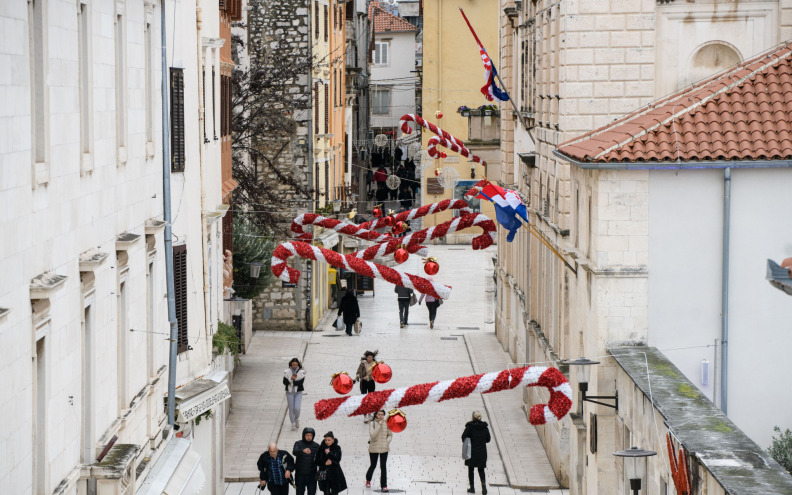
(177, 471)
(199, 396)
(779, 277)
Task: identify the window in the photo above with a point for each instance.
(40, 428)
(88, 443)
(316, 21)
(316, 108)
(214, 107)
(84, 37)
(123, 330)
(326, 23)
(327, 108)
(39, 95)
(380, 101)
(463, 187)
(381, 53)
(121, 86)
(180, 284)
(177, 119)
(203, 100)
(149, 84)
(225, 106)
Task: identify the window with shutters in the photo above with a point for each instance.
(381, 53)
(180, 285)
(177, 119)
(214, 107)
(327, 108)
(380, 101)
(316, 21)
(326, 22)
(225, 106)
(316, 108)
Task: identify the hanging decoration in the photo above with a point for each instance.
(401, 255)
(382, 373)
(397, 421)
(423, 161)
(377, 212)
(431, 266)
(434, 141)
(680, 471)
(393, 182)
(341, 382)
(381, 140)
(414, 150)
(448, 177)
(529, 376)
(410, 117)
(438, 114)
(437, 172)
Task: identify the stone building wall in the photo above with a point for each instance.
(271, 24)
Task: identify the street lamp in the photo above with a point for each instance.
(582, 368)
(472, 170)
(255, 270)
(635, 466)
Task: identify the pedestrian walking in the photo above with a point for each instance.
(363, 375)
(478, 433)
(403, 294)
(275, 470)
(305, 462)
(406, 197)
(432, 304)
(379, 445)
(350, 309)
(328, 459)
(293, 380)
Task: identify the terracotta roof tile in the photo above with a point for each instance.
(743, 113)
(385, 22)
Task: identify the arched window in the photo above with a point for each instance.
(710, 58)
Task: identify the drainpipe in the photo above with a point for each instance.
(725, 291)
(202, 171)
(166, 203)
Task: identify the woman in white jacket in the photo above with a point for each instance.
(379, 445)
(293, 379)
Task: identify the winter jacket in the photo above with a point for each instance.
(298, 382)
(380, 437)
(380, 175)
(287, 462)
(364, 370)
(305, 463)
(335, 475)
(478, 432)
(349, 307)
(403, 292)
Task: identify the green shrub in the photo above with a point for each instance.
(251, 245)
(781, 448)
(226, 341)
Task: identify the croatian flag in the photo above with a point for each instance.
(490, 90)
(508, 206)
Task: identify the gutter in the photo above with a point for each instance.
(724, 369)
(675, 165)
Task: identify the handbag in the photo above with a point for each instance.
(439, 302)
(467, 449)
(358, 326)
(340, 323)
(413, 299)
(322, 476)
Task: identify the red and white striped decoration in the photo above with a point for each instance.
(411, 117)
(459, 223)
(421, 211)
(529, 376)
(348, 228)
(434, 141)
(352, 263)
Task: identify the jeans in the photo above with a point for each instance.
(383, 457)
(306, 481)
(366, 386)
(432, 307)
(279, 489)
(404, 310)
(295, 401)
(481, 476)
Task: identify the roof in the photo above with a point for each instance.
(740, 114)
(385, 22)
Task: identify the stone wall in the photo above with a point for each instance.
(271, 24)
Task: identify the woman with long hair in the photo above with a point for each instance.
(293, 380)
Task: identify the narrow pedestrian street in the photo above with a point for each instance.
(425, 458)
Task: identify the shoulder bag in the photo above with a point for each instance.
(413, 299)
(467, 449)
(358, 326)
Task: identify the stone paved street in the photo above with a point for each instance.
(425, 458)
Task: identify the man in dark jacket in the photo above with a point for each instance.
(305, 454)
(275, 470)
(350, 309)
(403, 294)
(478, 433)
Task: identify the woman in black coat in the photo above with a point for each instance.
(478, 433)
(350, 309)
(328, 459)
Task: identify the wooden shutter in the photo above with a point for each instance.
(316, 108)
(327, 23)
(177, 119)
(180, 285)
(316, 21)
(327, 108)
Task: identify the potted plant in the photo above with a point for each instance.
(463, 111)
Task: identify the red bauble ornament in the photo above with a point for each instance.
(439, 114)
(342, 383)
(397, 421)
(382, 373)
(431, 267)
(377, 212)
(400, 256)
(437, 172)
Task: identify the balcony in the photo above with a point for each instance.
(483, 126)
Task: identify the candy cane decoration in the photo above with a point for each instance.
(530, 376)
(353, 264)
(421, 211)
(410, 117)
(331, 223)
(437, 140)
(482, 241)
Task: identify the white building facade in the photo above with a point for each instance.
(84, 316)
